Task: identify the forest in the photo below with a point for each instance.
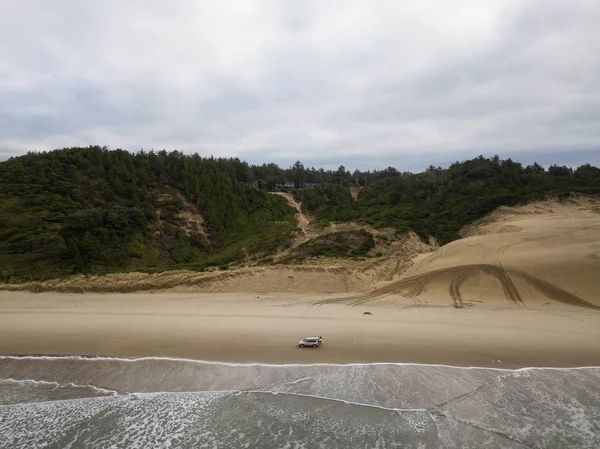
(96, 210)
(92, 210)
(439, 202)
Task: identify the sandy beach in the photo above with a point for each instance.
(265, 328)
(520, 289)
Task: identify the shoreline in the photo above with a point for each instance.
(91, 358)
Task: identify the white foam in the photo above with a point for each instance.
(297, 381)
(187, 419)
(251, 364)
(58, 385)
(423, 410)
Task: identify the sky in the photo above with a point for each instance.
(363, 84)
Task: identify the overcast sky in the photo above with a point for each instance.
(364, 84)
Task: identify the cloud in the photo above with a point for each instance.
(364, 85)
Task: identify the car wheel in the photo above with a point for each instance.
(301, 346)
(314, 346)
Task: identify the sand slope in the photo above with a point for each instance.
(281, 278)
(530, 256)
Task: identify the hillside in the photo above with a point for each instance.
(438, 203)
(90, 210)
(94, 211)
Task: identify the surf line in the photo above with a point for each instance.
(278, 365)
(59, 385)
(324, 398)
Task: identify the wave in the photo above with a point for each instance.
(157, 401)
(324, 398)
(56, 385)
(224, 393)
(387, 385)
(283, 365)
(267, 419)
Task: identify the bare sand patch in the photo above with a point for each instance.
(529, 256)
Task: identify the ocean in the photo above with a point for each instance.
(78, 402)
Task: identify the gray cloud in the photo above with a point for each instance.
(366, 86)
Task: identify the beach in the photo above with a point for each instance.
(238, 327)
(490, 341)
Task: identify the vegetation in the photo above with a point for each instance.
(335, 244)
(92, 210)
(440, 202)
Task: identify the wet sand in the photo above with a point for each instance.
(244, 328)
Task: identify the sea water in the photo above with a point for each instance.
(73, 402)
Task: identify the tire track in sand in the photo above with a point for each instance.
(412, 286)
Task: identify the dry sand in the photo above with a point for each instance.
(280, 278)
(244, 328)
(533, 256)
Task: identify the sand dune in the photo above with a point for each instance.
(462, 283)
(529, 256)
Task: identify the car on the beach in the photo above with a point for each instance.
(310, 342)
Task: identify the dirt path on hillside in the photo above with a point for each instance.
(354, 191)
(303, 221)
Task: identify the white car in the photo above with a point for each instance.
(310, 342)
